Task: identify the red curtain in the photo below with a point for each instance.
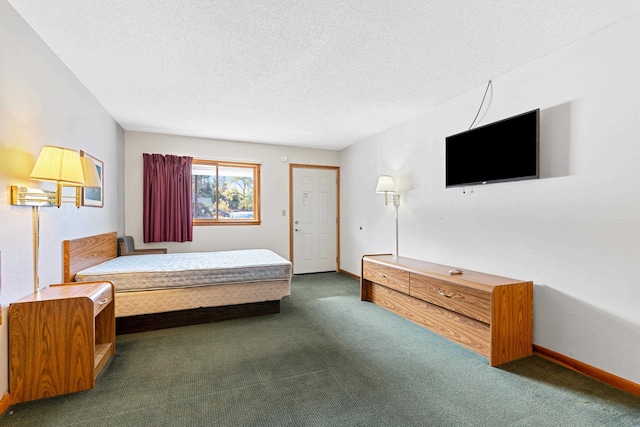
(167, 215)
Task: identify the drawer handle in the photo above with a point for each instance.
(104, 301)
(382, 275)
(444, 294)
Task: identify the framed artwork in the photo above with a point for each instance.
(93, 196)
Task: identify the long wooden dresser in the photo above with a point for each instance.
(488, 314)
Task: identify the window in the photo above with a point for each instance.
(225, 193)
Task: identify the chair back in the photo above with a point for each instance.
(125, 245)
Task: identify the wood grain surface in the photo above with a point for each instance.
(53, 338)
(489, 314)
(86, 252)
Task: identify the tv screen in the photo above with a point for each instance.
(507, 150)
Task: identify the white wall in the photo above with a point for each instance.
(575, 232)
(272, 234)
(43, 103)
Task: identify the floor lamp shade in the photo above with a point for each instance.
(90, 173)
(385, 184)
(60, 165)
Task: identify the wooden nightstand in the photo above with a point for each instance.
(60, 339)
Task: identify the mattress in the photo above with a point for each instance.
(183, 270)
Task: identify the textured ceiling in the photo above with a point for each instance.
(322, 73)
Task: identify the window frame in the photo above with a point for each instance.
(256, 193)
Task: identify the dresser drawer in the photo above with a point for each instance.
(102, 299)
(386, 276)
(456, 327)
(461, 299)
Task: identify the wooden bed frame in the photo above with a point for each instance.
(86, 252)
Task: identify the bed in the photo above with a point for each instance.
(166, 290)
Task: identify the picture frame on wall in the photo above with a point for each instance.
(93, 196)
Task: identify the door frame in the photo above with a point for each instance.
(293, 166)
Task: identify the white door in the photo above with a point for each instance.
(315, 220)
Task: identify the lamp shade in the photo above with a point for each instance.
(90, 173)
(385, 184)
(59, 165)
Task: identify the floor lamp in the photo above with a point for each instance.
(386, 185)
(64, 167)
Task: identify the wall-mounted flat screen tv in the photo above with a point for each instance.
(506, 150)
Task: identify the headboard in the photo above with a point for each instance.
(86, 252)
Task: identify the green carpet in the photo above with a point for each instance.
(327, 359)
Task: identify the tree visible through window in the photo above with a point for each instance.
(225, 193)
